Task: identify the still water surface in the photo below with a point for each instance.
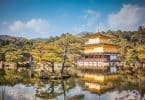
(84, 88)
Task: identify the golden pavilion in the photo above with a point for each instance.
(99, 52)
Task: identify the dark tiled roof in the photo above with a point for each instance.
(97, 44)
(101, 34)
(101, 53)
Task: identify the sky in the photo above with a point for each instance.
(44, 18)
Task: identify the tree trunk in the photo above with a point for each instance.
(63, 87)
(52, 66)
(2, 93)
(140, 83)
(64, 60)
(52, 86)
(29, 73)
(30, 58)
(16, 65)
(2, 65)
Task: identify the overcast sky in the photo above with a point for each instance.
(44, 18)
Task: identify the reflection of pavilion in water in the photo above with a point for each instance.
(97, 82)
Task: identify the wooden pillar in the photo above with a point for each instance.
(103, 62)
(83, 63)
(97, 64)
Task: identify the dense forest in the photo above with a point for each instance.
(64, 50)
(67, 48)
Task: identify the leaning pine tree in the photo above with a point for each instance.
(70, 45)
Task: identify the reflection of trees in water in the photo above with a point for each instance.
(129, 95)
(16, 92)
(63, 88)
(131, 87)
(127, 86)
(57, 88)
(49, 91)
(2, 92)
(52, 89)
(10, 79)
(44, 89)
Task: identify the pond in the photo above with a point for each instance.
(85, 87)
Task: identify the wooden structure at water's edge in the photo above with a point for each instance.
(8, 65)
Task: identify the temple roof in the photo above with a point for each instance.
(98, 44)
(100, 34)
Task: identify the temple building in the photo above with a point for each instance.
(99, 53)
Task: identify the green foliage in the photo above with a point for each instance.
(43, 52)
(14, 56)
(72, 43)
(2, 56)
(52, 39)
(67, 48)
(141, 51)
(132, 46)
(71, 46)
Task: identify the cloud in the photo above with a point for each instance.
(31, 26)
(91, 14)
(91, 17)
(90, 21)
(128, 18)
(17, 26)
